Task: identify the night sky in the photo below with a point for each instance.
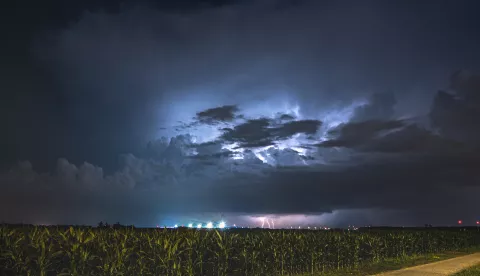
(307, 112)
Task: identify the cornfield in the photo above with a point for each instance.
(129, 251)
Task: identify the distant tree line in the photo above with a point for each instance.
(116, 225)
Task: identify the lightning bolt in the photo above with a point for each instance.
(269, 221)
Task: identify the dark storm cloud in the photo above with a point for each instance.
(254, 131)
(264, 132)
(217, 115)
(358, 133)
(418, 184)
(367, 128)
(414, 139)
(121, 77)
(380, 106)
(289, 129)
(427, 172)
(111, 77)
(211, 156)
(208, 147)
(390, 136)
(455, 114)
(149, 68)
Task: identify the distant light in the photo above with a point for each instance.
(176, 225)
(199, 225)
(209, 225)
(234, 225)
(459, 222)
(221, 225)
(478, 222)
(190, 225)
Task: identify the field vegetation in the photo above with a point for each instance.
(130, 251)
(472, 271)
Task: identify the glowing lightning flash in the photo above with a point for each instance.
(270, 222)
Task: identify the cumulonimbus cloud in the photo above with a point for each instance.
(150, 70)
(178, 175)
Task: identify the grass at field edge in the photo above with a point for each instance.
(395, 264)
(472, 271)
